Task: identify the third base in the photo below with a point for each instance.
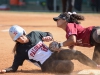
(89, 71)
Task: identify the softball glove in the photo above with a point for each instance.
(54, 46)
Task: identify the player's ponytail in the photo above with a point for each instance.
(73, 17)
(14, 49)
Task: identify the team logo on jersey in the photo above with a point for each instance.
(39, 46)
(15, 33)
(70, 33)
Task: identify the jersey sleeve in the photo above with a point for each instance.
(71, 29)
(18, 60)
(11, 69)
(48, 34)
(42, 34)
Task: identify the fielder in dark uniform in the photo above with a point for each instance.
(31, 47)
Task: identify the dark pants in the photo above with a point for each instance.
(50, 5)
(61, 62)
(65, 7)
(96, 53)
(78, 5)
(95, 5)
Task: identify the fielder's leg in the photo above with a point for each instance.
(96, 54)
(77, 55)
(95, 39)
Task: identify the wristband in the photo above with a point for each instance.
(60, 45)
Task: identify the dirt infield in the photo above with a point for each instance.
(36, 21)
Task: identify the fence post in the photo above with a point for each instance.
(55, 4)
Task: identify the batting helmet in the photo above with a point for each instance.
(65, 16)
(16, 31)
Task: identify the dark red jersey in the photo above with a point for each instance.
(82, 34)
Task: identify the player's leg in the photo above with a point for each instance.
(58, 66)
(96, 54)
(77, 55)
(95, 38)
(70, 6)
(64, 5)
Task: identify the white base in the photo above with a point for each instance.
(89, 71)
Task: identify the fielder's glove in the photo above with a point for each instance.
(54, 46)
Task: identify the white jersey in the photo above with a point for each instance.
(39, 52)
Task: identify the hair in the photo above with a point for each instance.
(14, 49)
(73, 17)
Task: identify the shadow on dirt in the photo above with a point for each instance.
(30, 71)
(38, 71)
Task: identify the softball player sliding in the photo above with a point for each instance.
(31, 47)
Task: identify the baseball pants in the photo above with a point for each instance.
(60, 62)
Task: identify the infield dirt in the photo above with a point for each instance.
(42, 22)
